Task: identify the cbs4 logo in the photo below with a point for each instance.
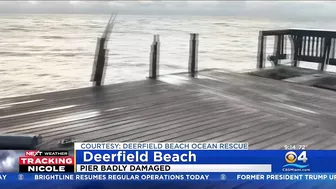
(296, 161)
(292, 157)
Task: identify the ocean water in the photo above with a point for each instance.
(44, 53)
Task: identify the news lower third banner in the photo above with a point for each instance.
(172, 162)
(197, 158)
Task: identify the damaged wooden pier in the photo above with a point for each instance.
(216, 106)
(199, 106)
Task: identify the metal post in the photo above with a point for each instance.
(193, 55)
(261, 50)
(154, 58)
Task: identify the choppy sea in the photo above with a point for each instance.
(44, 53)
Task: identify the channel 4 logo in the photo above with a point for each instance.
(296, 162)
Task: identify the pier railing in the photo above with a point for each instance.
(100, 61)
(154, 57)
(315, 46)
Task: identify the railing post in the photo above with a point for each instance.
(193, 55)
(292, 40)
(154, 58)
(277, 48)
(297, 49)
(261, 50)
(98, 72)
(99, 65)
(326, 53)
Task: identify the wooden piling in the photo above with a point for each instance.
(154, 58)
(100, 63)
(193, 55)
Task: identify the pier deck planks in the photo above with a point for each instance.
(216, 106)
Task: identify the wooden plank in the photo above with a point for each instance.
(256, 124)
(102, 103)
(327, 143)
(73, 93)
(290, 96)
(118, 109)
(84, 98)
(47, 122)
(125, 114)
(117, 125)
(290, 138)
(177, 132)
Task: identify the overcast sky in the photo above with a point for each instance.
(240, 8)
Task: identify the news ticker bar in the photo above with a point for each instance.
(184, 168)
(169, 177)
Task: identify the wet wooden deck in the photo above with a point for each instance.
(217, 106)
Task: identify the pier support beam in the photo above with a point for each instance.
(154, 58)
(193, 55)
